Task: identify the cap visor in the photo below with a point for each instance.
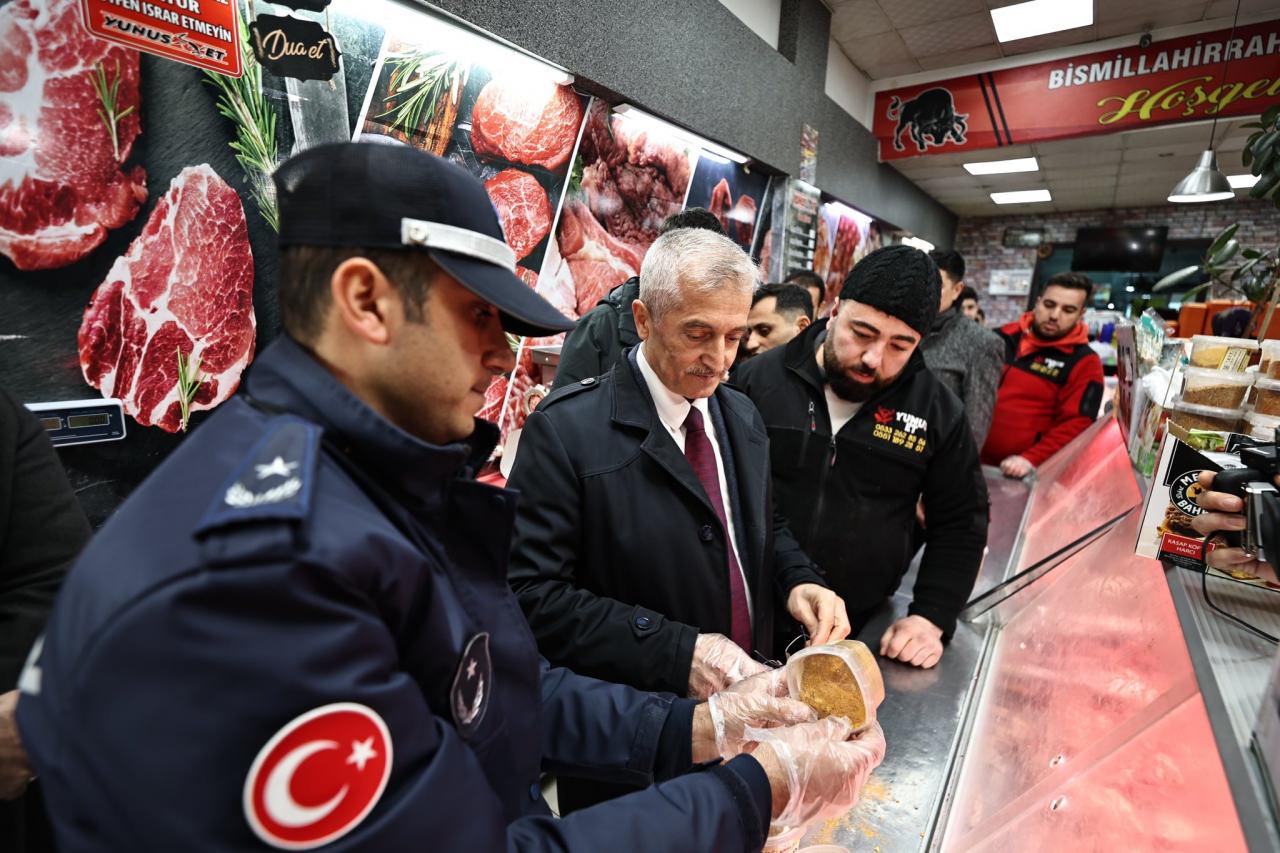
(523, 311)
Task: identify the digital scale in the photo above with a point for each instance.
(81, 421)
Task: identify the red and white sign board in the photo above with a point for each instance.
(1177, 80)
(203, 33)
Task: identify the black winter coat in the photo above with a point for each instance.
(619, 559)
(602, 335)
(851, 497)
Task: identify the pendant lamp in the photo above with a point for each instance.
(1206, 181)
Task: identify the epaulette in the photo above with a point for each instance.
(567, 391)
(274, 482)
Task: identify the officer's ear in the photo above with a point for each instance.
(802, 322)
(644, 320)
(364, 300)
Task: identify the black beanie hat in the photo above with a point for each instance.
(901, 281)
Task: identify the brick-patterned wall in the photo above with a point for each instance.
(978, 238)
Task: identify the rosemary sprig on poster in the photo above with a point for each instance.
(109, 95)
(240, 99)
(189, 381)
(419, 81)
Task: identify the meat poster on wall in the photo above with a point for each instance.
(844, 237)
(137, 226)
(733, 193)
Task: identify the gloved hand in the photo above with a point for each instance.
(817, 770)
(718, 662)
(759, 702)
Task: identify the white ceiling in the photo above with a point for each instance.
(896, 38)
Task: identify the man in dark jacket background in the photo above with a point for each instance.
(859, 431)
(601, 335)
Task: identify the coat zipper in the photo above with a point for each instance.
(815, 524)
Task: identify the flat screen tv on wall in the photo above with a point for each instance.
(1138, 248)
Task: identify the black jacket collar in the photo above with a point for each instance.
(287, 377)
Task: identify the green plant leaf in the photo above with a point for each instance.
(1264, 186)
(1196, 291)
(1176, 277)
(1271, 115)
(1222, 239)
(1224, 254)
(1251, 253)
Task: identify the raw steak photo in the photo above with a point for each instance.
(527, 120)
(62, 183)
(598, 261)
(523, 209)
(185, 283)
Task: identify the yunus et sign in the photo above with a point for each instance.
(1178, 80)
(204, 33)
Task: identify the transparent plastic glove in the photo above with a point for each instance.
(718, 662)
(759, 702)
(825, 766)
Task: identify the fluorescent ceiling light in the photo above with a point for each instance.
(1039, 17)
(1000, 167)
(1021, 197)
(1242, 182)
(670, 129)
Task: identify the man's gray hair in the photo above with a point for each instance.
(690, 261)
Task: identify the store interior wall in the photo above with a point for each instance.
(979, 239)
(699, 65)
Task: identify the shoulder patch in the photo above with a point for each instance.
(567, 391)
(273, 482)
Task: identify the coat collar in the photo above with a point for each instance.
(286, 376)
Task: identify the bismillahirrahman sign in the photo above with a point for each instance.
(203, 33)
(1172, 81)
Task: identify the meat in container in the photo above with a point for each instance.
(1222, 353)
(1223, 389)
(1192, 416)
(838, 678)
(1267, 394)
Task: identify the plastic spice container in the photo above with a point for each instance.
(1270, 359)
(1190, 416)
(1222, 353)
(838, 678)
(1267, 395)
(785, 841)
(1261, 427)
(1223, 389)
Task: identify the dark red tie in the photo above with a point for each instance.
(698, 450)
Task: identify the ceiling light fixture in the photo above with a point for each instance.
(1242, 182)
(1002, 167)
(1021, 197)
(1039, 17)
(667, 127)
(1206, 181)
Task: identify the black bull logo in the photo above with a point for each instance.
(931, 115)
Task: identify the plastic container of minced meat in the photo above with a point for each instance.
(1270, 359)
(1192, 416)
(1267, 396)
(1223, 389)
(1222, 353)
(1261, 427)
(838, 678)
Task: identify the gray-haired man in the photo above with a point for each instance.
(646, 547)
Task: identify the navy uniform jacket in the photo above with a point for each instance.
(259, 611)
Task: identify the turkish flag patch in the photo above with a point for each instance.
(318, 777)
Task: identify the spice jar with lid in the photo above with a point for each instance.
(1270, 359)
(1193, 416)
(1267, 394)
(1223, 389)
(1222, 353)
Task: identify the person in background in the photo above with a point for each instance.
(1053, 381)
(969, 306)
(1224, 513)
(779, 312)
(966, 357)
(859, 431)
(647, 550)
(42, 529)
(597, 341)
(812, 282)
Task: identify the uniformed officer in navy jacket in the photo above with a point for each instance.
(298, 634)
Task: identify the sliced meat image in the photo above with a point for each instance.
(598, 261)
(528, 120)
(493, 397)
(721, 203)
(744, 220)
(62, 185)
(523, 209)
(185, 283)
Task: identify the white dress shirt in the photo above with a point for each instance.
(672, 411)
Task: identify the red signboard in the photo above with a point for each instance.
(1178, 80)
(204, 33)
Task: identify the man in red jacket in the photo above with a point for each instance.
(1052, 384)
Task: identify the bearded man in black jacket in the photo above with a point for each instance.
(859, 431)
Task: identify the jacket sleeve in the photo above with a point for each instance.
(589, 349)
(1077, 408)
(42, 529)
(957, 509)
(590, 634)
(981, 382)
